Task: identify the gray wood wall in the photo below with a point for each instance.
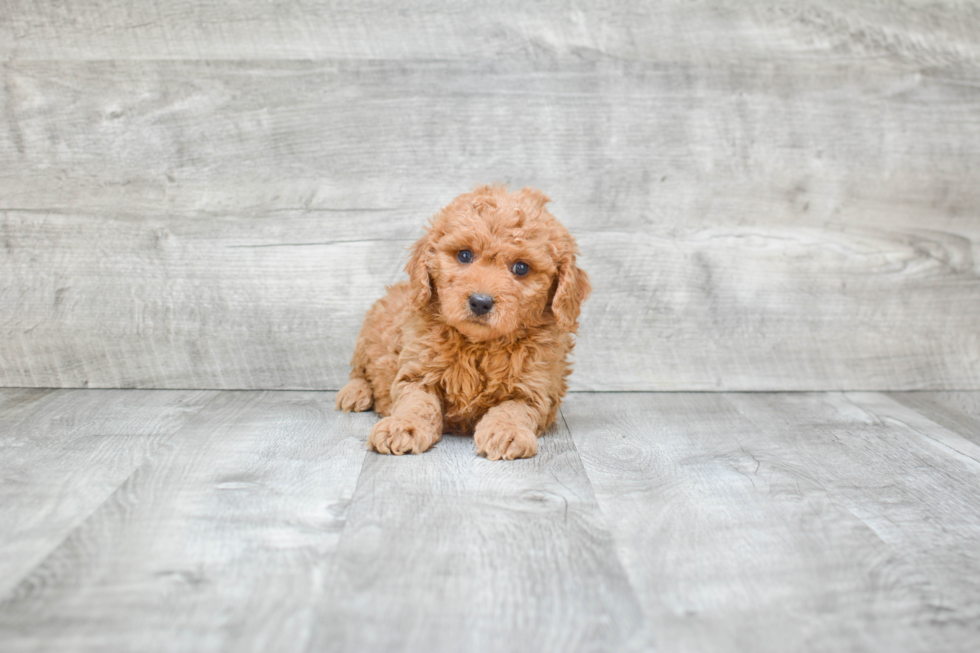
(211, 194)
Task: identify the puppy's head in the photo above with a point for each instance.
(492, 262)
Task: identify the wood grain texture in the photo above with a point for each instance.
(731, 543)
(785, 522)
(671, 522)
(174, 303)
(260, 303)
(63, 453)
(914, 483)
(767, 198)
(616, 143)
(888, 410)
(219, 541)
(938, 32)
(450, 552)
(957, 411)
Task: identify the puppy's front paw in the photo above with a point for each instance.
(355, 396)
(499, 439)
(398, 436)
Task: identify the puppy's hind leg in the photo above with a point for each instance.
(356, 396)
(375, 358)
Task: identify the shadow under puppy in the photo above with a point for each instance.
(477, 340)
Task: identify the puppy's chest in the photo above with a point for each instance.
(474, 380)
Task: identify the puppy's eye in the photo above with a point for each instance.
(464, 256)
(520, 268)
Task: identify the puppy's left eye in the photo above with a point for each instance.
(520, 268)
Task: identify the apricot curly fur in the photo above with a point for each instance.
(428, 364)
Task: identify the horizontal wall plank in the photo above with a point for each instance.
(237, 29)
(781, 308)
(174, 303)
(615, 143)
(277, 303)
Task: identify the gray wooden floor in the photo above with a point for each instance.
(209, 520)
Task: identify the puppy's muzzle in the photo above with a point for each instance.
(480, 304)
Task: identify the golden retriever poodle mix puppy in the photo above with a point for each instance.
(477, 340)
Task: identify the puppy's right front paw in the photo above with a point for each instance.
(399, 436)
(355, 396)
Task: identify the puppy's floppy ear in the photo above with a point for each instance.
(573, 288)
(418, 271)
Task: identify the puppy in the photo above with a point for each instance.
(477, 340)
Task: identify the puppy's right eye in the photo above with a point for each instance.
(464, 256)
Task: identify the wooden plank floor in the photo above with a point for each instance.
(234, 521)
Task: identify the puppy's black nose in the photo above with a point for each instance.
(480, 304)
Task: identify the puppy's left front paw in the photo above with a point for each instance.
(500, 440)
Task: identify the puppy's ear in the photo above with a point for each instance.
(573, 288)
(418, 271)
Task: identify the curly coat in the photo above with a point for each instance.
(429, 363)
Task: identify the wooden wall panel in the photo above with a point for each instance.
(672, 30)
(614, 143)
(203, 301)
(196, 195)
